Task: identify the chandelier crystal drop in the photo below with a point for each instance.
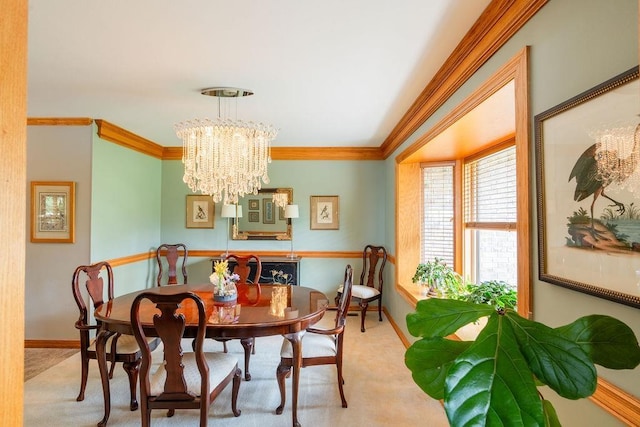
(225, 158)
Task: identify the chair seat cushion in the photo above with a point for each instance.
(313, 345)
(126, 344)
(362, 292)
(220, 365)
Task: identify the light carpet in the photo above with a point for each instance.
(378, 387)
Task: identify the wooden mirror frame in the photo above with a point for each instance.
(281, 228)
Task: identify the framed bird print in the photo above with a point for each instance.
(588, 191)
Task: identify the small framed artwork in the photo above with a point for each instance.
(254, 216)
(268, 212)
(200, 209)
(254, 204)
(53, 208)
(324, 213)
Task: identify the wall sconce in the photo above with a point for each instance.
(230, 211)
(290, 212)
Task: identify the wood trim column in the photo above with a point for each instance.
(13, 120)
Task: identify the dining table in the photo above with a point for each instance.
(280, 310)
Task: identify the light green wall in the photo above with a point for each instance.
(575, 45)
(125, 210)
(362, 210)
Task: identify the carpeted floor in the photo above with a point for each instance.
(378, 388)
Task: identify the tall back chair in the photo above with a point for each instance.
(171, 253)
(248, 294)
(320, 346)
(374, 258)
(248, 285)
(120, 349)
(190, 380)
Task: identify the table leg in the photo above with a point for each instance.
(296, 345)
(101, 356)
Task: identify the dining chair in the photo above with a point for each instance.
(319, 346)
(180, 380)
(248, 294)
(120, 348)
(169, 254)
(374, 258)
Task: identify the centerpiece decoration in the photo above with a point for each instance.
(280, 295)
(225, 293)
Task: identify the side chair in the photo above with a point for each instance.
(180, 380)
(171, 253)
(120, 349)
(319, 346)
(248, 294)
(374, 258)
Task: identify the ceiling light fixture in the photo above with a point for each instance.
(225, 158)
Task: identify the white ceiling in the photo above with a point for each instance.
(325, 73)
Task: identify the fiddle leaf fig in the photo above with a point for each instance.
(436, 317)
(493, 380)
(607, 341)
(429, 360)
(492, 373)
(555, 360)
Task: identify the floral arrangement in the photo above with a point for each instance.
(279, 277)
(223, 281)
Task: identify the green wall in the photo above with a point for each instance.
(574, 45)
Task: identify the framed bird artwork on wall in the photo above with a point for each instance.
(588, 191)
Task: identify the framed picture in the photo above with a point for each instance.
(324, 213)
(254, 204)
(268, 211)
(53, 206)
(200, 211)
(588, 178)
(254, 216)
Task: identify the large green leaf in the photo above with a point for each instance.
(436, 317)
(608, 341)
(555, 360)
(429, 360)
(490, 383)
(550, 415)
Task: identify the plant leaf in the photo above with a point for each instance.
(436, 317)
(490, 383)
(555, 360)
(606, 340)
(429, 360)
(550, 415)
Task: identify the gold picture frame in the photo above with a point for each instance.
(53, 207)
(200, 211)
(324, 213)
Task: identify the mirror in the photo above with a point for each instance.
(261, 218)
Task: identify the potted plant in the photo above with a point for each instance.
(438, 279)
(493, 292)
(493, 380)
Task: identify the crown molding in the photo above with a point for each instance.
(110, 132)
(58, 121)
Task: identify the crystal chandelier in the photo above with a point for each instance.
(280, 199)
(225, 158)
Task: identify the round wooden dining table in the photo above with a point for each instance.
(279, 310)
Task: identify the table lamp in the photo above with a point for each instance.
(290, 212)
(229, 211)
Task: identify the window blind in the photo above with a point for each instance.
(438, 211)
(490, 191)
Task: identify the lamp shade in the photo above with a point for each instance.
(228, 211)
(291, 211)
(239, 212)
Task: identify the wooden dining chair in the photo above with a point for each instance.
(120, 349)
(169, 254)
(374, 258)
(180, 380)
(248, 294)
(319, 346)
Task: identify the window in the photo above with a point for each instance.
(437, 207)
(490, 213)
